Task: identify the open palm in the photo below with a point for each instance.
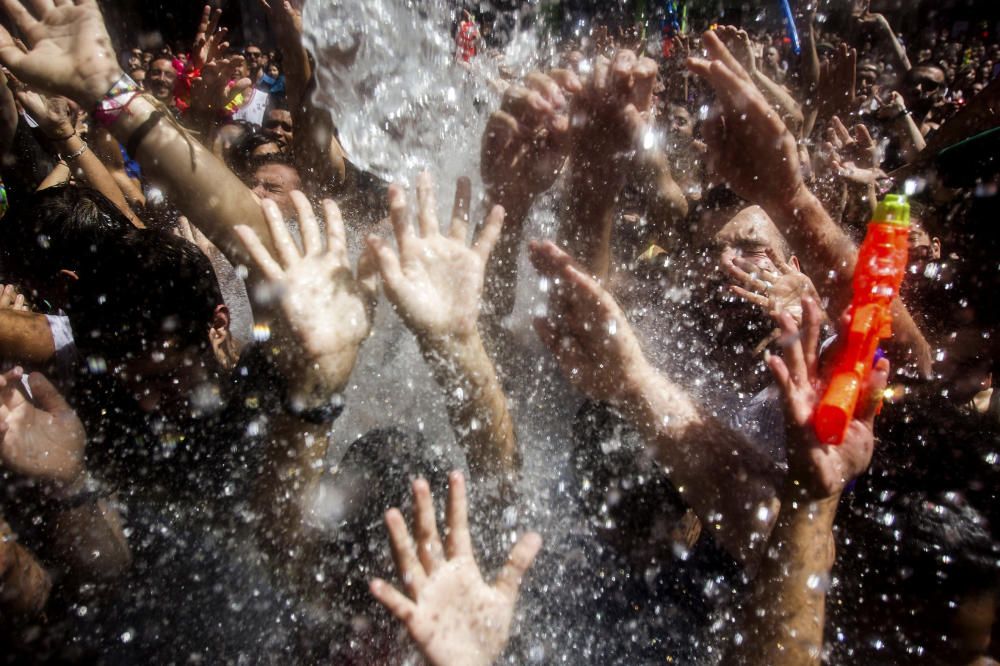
(70, 51)
(451, 613)
(436, 280)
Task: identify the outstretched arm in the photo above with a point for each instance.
(24, 583)
(782, 621)
(70, 54)
(720, 475)
(435, 283)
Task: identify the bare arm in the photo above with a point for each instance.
(720, 475)
(435, 284)
(60, 175)
(109, 152)
(26, 337)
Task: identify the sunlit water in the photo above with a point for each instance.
(401, 103)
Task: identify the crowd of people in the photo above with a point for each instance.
(191, 263)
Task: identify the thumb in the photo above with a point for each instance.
(869, 406)
(46, 396)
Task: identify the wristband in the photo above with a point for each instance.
(325, 413)
(132, 145)
(116, 100)
(73, 155)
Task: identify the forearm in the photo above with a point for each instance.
(791, 112)
(668, 204)
(721, 476)
(60, 175)
(477, 407)
(894, 44)
(109, 152)
(782, 621)
(86, 167)
(24, 583)
(201, 186)
(585, 233)
(500, 288)
(26, 337)
(911, 140)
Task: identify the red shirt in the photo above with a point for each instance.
(466, 38)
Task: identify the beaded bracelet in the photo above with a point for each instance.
(116, 100)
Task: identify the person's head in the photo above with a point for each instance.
(273, 70)
(749, 235)
(161, 78)
(229, 136)
(278, 125)
(274, 177)
(867, 77)
(145, 302)
(241, 68)
(254, 57)
(923, 578)
(772, 57)
(924, 86)
(132, 59)
(680, 122)
(924, 247)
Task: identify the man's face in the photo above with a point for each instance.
(278, 124)
(254, 57)
(923, 248)
(924, 86)
(277, 182)
(161, 79)
(772, 56)
(681, 125)
(749, 235)
(135, 59)
(867, 77)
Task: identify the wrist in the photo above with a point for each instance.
(451, 348)
(99, 86)
(61, 133)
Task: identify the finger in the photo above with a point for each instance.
(750, 296)
(878, 380)
(288, 251)
(547, 87)
(526, 105)
(863, 136)
(643, 83)
(780, 372)
(719, 52)
(783, 266)
(399, 215)
(748, 278)
(567, 79)
(336, 235)
(261, 257)
(620, 82)
(490, 232)
(429, 548)
(185, 228)
(388, 266)
(408, 566)
(19, 303)
(46, 395)
(548, 259)
(312, 241)
(6, 296)
(22, 18)
(501, 130)
(426, 205)
(602, 74)
(458, 541)
(394, 601)
(521, 557)
(811, 321)
(460, 209)
(10, 55)
(841, 130)
(367, 277)
(791, 344)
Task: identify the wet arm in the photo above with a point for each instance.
(26, 337)
(24, 583)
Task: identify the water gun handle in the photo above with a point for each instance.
(836, 410)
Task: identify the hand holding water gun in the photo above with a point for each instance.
(878, 275)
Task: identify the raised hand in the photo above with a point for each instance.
(435, 282)
(526, 142)
(606, 115)
(215, 87)
(585, 329)
(837, 90)
(70, 51)
(739, 44)
(52, 114)
(40, 438)
(451, 613)
(745, 136)
(820, 471)
(324, 308)
(780, 290)
(209, 40)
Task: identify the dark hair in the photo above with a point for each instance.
(135, 285)
(253, 163)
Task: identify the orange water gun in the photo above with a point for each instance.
(878, 275)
